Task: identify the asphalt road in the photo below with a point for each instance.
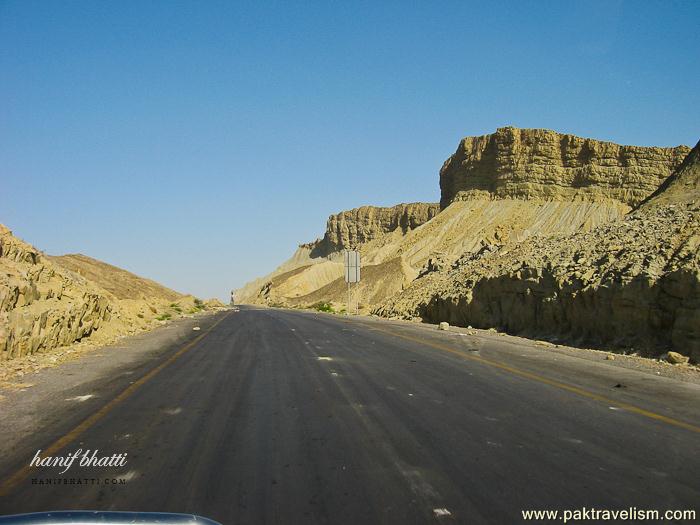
(272, 416)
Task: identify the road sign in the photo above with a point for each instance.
(352, 266)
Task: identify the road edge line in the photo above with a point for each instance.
(11, 482)
(551, 382)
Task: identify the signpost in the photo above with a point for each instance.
(351, 258)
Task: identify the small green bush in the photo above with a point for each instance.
(164, 317)
(323, 307)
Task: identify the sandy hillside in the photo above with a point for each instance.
(120, 283)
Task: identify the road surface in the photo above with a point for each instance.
(273, 416)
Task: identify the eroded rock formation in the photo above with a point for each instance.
(540, 163)
(634, 282)
(49, 302)
(347, 229)
(538, 236)
(41, 306)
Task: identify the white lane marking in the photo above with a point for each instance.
(128, 476)
(613, 408)
(334, 373)
(80, 399)
(442, 512)
(324, 358)
(172, 411)
(410, 395)
(196, 328)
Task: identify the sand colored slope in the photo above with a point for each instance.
(464, 226)
(253, 291)
(121, 283)
(378, 282)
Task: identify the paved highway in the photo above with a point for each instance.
(273, 416)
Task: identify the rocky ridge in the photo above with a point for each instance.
(120, 283)
(347, 229)
(316, 264)
(41, 306)
(50, 302)
(540, 163)
(632, 283)
(496, 189)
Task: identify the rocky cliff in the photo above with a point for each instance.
(347, 229)
(42, 306)
(316, 264)
(49, 302)
(634, 282)
(539, 163)
(535, 237)
(682, 186)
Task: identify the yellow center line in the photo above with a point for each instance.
(551, 382)
(11, 482)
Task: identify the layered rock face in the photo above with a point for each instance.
(347, 229)
(49, 302)
(41, 305)
(316, 264)
(544, 164)
(538, 235)
(634, 282)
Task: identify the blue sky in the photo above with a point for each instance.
(197, 143)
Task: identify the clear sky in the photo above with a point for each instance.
(197, 143)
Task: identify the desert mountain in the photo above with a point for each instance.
(49, 302)
(634, 282)
(496, 189)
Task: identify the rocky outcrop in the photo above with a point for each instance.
(682, 186)
(41, 305)
(347, 229)
(539, 163)
(49, 302)
(634, 282)
(535, 237)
